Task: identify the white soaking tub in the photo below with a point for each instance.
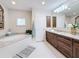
(8, 40)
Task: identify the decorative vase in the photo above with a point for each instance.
(73, 31)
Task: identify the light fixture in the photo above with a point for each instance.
(13, 2)
(43, 2)
(61, 8)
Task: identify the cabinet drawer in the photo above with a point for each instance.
(67, 51)
(65, 41)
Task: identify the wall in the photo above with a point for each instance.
(3, 32)
(39, 19)
(14, 15)
(70, 20)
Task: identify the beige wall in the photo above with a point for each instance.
(14, 15)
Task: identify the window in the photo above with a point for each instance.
(21, 22)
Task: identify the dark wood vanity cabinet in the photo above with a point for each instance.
(76, 49)
(66, 45)
(61, 43)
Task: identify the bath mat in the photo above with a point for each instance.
(25, 53)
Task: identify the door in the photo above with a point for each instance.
(54, 21)
(48, 21)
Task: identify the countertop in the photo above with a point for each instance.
(73, 36)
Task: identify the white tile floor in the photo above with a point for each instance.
(43, 49)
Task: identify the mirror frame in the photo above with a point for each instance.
(2, 18)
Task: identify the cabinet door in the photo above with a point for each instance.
(65, 46)
(54, 40)
(76, 49)
(48, 37)
(51, 38)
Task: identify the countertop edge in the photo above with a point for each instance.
(69, 35)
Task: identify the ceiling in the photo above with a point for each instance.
(50, 5)
(29, 4)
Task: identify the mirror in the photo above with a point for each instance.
(1, 18)
(70, 12)
(77, 19)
